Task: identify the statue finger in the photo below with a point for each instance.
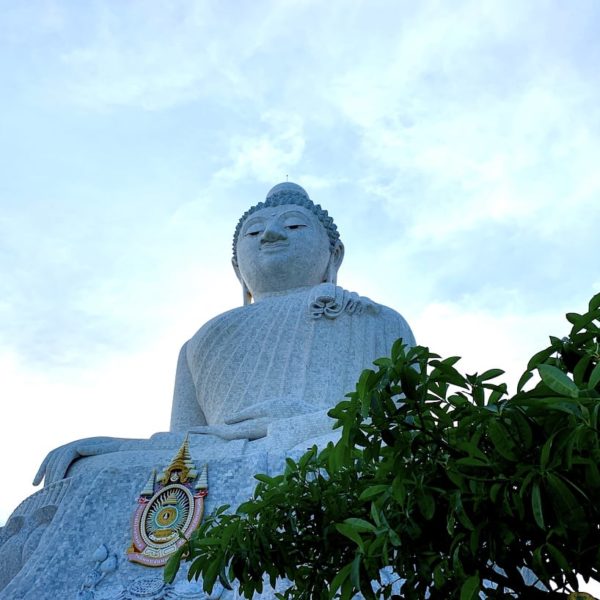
(253, 430)
(60, 463)
(252, 412)
(51, 466)
(201, 429)
(241, 417)
(41, 471)
(99, 447)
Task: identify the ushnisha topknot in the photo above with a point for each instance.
(290, 193)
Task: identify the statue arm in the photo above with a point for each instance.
(185, 412)
(57, 462)
(397, 327)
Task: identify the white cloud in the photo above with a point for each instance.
(268, 155)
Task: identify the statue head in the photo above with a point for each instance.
(284, 243)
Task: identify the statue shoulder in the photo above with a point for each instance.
(330, 301)
(398, 324)
(217, 324)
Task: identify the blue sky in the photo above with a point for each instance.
(456, 144)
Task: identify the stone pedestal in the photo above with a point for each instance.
(70, 539)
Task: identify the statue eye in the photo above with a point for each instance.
(254, 232)
(294, 226)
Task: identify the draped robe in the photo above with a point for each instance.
(289, 354)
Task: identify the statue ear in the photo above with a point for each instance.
(335, 261)
(247, 296)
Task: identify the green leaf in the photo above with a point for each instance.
(470, 588)
(207, 541)
(472, 462)
(563, 497)
(355, 571)
(195, 570)
(540, 357)
(375, 514)
(360, 524)
(397, 350)
(225, 582)
(502, 440)
(427, 506)
(172, 566)
(594, 377)
(372, 491)
(496, 487)
(351, 533)
(383, 362)
(580, 321)
(594, 303)
(472, 450)
(363, 387)
(263, 478)
(557, 555)
(399, 490)
(557, 381)
(339, 579)
(580, 369)
(449, 373)
(306, 458)
(460, 513)
(523, 380)
(523, 428)
(592, 475)
(536, 505)
(211, 573)
(545, 454)
(394, 538)
(490, 374)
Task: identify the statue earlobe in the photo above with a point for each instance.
(246, 294)
(335, 261)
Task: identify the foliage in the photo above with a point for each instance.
(440, 476)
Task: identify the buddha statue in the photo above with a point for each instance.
(252, 386)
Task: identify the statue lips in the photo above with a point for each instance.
(273, 246)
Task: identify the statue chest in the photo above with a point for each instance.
(254, 355)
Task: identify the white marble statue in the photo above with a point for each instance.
(252, 385)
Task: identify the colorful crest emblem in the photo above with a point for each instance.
(171, 503)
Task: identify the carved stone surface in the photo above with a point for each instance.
(253, 386)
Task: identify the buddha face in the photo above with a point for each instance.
(282, 248)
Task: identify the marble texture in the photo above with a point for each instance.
(253, 386)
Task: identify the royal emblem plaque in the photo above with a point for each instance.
(170, 505)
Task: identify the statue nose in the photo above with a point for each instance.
(273, 233)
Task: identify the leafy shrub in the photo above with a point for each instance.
(439, 476)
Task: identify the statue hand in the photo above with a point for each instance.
(57, 462)
(245, 430)
(271, 411)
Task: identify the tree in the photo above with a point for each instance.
(438, 476)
